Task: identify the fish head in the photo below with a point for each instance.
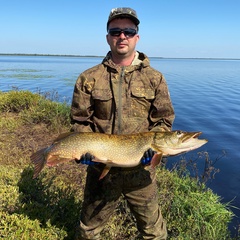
(177, 142)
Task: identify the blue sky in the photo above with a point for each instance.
(168, 28)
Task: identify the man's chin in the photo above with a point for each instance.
(122, 52)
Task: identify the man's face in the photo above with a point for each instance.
(122, 44)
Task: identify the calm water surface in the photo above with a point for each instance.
(205, 95)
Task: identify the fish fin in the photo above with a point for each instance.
(95, 159)
(104, 172)
(38, 159)
(56, 159)
(156, 159)
(63, 135)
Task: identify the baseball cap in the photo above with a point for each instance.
(124, 12)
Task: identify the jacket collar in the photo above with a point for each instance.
(140, 61)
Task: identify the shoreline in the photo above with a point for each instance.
(95, 56)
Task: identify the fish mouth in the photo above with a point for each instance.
(193, 135)
(197, 134)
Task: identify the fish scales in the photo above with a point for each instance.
(115, 150)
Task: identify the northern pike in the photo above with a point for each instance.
(115, 150)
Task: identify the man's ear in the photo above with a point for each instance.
(107, 39)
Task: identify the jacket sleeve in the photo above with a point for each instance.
(161, 113)
(81, 108)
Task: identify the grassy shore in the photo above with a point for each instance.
(48, 207)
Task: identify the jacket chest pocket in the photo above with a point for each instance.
(141, 99)
(103, 103)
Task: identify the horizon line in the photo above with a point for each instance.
(77, 55)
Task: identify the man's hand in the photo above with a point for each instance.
(147, 157)
(86, 159)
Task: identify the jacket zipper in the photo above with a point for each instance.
(121, 80)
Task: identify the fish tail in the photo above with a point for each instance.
(38, 159)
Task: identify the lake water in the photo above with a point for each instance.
(204, 92)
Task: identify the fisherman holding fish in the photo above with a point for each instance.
(121, 95)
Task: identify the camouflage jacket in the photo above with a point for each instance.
(114, 99)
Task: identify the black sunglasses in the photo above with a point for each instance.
(128, 32)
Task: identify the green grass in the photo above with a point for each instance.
(48, 207)
(34, 108)
(193, 211)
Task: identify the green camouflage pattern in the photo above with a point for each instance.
(123, 12)
(138, 185)
(113, 99)
(118, 100)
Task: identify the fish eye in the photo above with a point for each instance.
(179, 133)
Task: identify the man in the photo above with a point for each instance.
(123, 94)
